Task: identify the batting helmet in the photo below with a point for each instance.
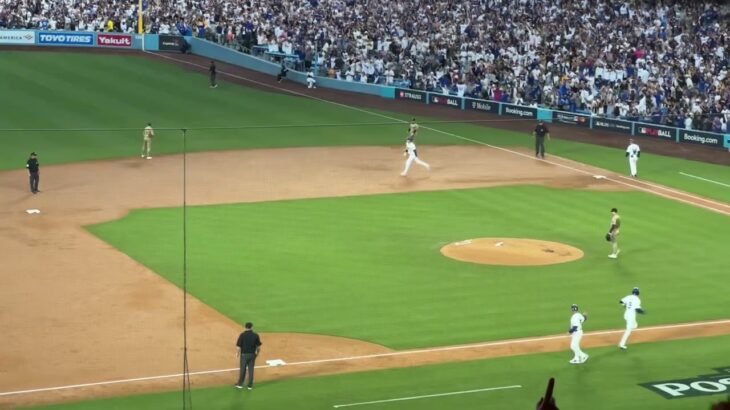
(574, 307)
(635, 291)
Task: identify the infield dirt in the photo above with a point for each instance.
(107, 317)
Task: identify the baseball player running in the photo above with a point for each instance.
(412, 153)
(413, 128)
(632, 303)
(613, 233)
(633, 152)
(148, 134)
(576, 333)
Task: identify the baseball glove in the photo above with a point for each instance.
(608, 237)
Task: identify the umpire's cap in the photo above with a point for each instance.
(635, 291)
(574, 307)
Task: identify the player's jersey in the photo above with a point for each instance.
(631, 302)
(148, 133)
(633, 150)
(413, 129)
(616, 221)
(411, 148)
(577, 320)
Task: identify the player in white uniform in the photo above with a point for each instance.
(311, 81)
(412, 153)
(633, 152)
(576, 333)
(632, 303)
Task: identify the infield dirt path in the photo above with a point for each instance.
(75, 310)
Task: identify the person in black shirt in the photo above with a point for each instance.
(212, 71)
(541, 131)
(282, 72)
(249, 346)
(34, 172)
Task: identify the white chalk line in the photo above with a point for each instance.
(632, 185)
(427, 396)
(374, 356)
(703, 179)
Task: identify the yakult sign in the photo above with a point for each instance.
(114, 40)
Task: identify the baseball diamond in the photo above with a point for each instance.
(284, 206)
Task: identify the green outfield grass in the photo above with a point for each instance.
(87, 91)
(369, 267)
(609, 380)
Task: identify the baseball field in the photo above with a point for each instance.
(284, 206)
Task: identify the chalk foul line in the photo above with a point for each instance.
(704, 179)
(374, 356)
(454, 393)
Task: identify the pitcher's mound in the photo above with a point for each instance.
(511, 251)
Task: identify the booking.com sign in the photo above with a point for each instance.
(726, 142)
(75, 39)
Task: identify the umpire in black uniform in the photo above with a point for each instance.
(541, 132)
(34, 172)
(249, 346)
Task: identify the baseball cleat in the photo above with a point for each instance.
(574, 361)
(238, 386)
(584, 358)
(613, 256)
(622, 347)
(149, 157)
(142, 155)
(403, 174)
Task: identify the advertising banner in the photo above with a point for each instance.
(482, 105)
(702, 385)
(519, 111)
(699, 137)
(66, 39)
(114, 40)
(170, 43)
(656, 131)
(412, 95)
(17, 37)
(440, 99)
(621, 126)
(571, 118)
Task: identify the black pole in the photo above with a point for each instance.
(187, 393)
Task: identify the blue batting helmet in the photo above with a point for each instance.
(635, 291)
(574, 307)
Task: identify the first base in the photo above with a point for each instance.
(32, 211)
(275, 362)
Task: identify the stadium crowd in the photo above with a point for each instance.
(664, 61)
